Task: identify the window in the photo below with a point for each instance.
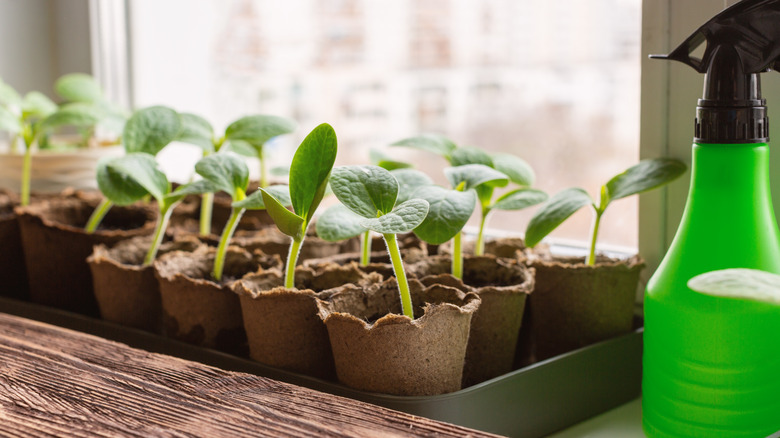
(556, 83)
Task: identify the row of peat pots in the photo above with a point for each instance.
(343, 320)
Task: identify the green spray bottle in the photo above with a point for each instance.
(712, 364)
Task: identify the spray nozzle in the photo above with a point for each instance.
(742, 42)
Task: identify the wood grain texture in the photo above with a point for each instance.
(56, 382)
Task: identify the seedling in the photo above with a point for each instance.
(642, 177)
(339, 223)
(149, 130)
(450, 209)
(372, 192)
(247, 135)
(739, 283)
(309, 174)
(129, 178)
(515, 169)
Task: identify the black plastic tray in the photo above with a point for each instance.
(530, 402)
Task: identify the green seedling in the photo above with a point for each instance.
(642, 177)
(515, 169)
(149, 130)
(450, 209)
(82, 91)
(372, 193)
(129, 178)
(228, 172)
(247, 136)
(739, 283)
(385, 161)
(309, 173)
(339, 223)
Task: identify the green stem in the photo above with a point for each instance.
(159, 232)
(400, 274)
(592, 254)
(227, 233)
(26, 174)
(263, 170)
(206, 206)
(365, 248)
(479, 247)
(97, 216)
(292, 260)
(457, 256)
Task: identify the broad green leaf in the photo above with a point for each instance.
(470, 155)
(117, 186)
(241, 147)
(151, 129)
(9, 96)
(288, 222)
(474, 175)
(742, 283)
(646, 175)
(226, 171)
(310, 169)
(448, 213)
(485, 194)
(366, 190)
(255, 201)
(258, 129)
(73, 114)
(37, 105)
(9, 121)
(385, 161)
(338, 223)
(144, 170)
(434, 143)
(409, 180)
(198, 187)
(404, 218)
(518, 171)
(554, 212)
(197, 131)
(78, 87)
(519, 199)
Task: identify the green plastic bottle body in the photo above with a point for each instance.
(711, 366)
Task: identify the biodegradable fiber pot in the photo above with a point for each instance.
(395, 354)
(574, 304)
(56, 247)
(502, 285)
(127, 292)
(505, 247)
(13, 272)
(198, 310)
(283, 326)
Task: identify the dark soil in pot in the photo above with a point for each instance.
(56, 247)
(283, 325)
(574, 305)
(127, 291)
(503, 285)
(199, 310)
(13, 273)
(378, 350)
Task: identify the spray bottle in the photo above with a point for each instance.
(712, 364)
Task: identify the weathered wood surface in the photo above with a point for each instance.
(58, 382)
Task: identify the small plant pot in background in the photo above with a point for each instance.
(56, 247)
(271, 241)
(127, 291)
(503, 286)
(53, 171)
(376, 349)
(198, 310)
(12, 267)
(283, 326)
(504, 247)
(574, 305)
